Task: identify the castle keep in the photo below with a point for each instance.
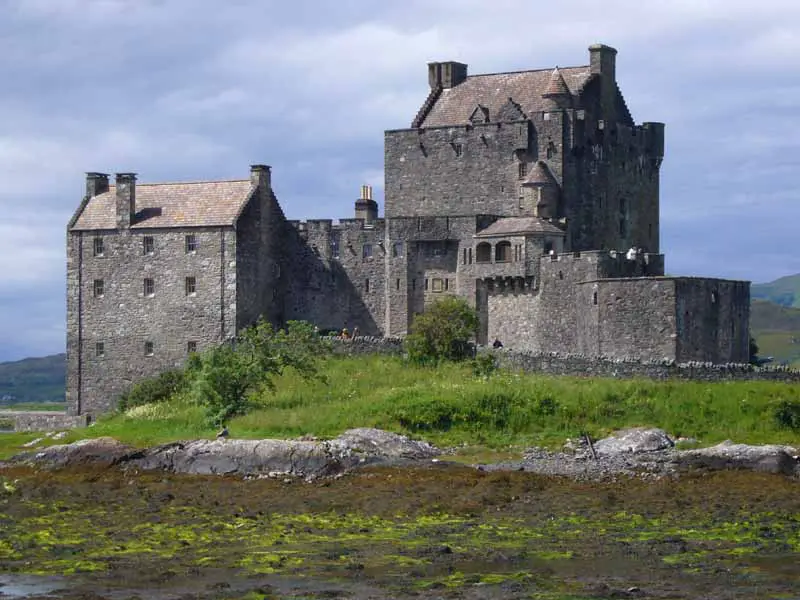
(534, 195)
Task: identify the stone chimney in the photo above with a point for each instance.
(126, 199)
(261, 175)
(96, 184)
(603, 61)
(366, 207)
(446, 74)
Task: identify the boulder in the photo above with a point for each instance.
(102, 451)
(633, 441)
(728, 455)
(386, 444)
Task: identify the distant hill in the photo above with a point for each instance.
(776, 329)
(33, 380)
(784, 291)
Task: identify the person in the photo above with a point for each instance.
(497, 343)
(223, 433)
(355, 331)
(345, 333)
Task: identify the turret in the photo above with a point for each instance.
(557, 94)
(542, 191)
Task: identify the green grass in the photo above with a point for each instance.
(449, 406)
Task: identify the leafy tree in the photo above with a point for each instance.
(442, 332)
(229, 379)
(753, 351)
(154, 389)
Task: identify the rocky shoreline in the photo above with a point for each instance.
(639, 452)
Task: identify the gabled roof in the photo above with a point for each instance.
(519, 226)
(540, 175)
(200, 204)
(453, 106)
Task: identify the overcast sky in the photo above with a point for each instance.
(200, 89)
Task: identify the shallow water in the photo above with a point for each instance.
(26, 586)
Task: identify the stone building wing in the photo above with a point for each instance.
(160, 205)
(519, 226)
(454, 106)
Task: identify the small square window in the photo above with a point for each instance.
(98, 246)
(191, 243)
(148, 245)
(99, 288)
(148, 348)
(191, 286)
(397, 249)
(366, 251)
(99, 349)
(191, 347)
(149, 288)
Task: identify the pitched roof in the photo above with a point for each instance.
(199, 204)
(519, 226)
(540, 175)
(453, 106)
(556, 86)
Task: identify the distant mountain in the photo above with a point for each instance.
(776, 329)
(33, 380)
(784, 291)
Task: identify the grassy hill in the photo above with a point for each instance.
(36, 380)
(777, 331)
(784, 291)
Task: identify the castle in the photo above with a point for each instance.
(532, 194)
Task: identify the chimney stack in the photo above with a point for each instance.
(261, 175)
(126, 199)
(96, 184)
(446, 74)
(366, 207)
(603, 61)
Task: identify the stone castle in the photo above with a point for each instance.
(533, 194)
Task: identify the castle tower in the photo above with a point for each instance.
(557, 95)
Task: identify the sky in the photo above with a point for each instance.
(182, 90)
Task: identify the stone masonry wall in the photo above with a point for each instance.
(123, 318)
(43, 420)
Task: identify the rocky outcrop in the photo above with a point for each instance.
(728, 455)
(296, 458)
(634, 441)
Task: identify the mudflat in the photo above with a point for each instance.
(434, 531)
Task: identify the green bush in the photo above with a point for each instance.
(484, 364)
(442, 332)
(154, 389)
(787, 415)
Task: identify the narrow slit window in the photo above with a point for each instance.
(366, 285)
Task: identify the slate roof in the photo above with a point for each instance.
(557, 86)
(454, 105)
(200, 204)
(519, 226)
(540, 175)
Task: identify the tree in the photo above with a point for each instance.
(442, 332)
(229, 379)
(754, 360)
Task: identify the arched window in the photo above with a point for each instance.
(483, 253)
(502, 252)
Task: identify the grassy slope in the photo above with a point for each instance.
(777, 331)
(784, 291)
(34, 380)
(450, 406)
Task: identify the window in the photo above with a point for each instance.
(523, 170)
(713, 297)
(366, 285)
(458, 149)
(397, 249)
(366, 251)
(502, 252)
(99, 288)
(446, 285)
(97, 246)
(548, 247)
(594, 297)
(191, 286)
(469, 256)
(464, 257)
(426, 284)
(148, 245)
(397, 284)
(438, 285)
(99, 349)
(413, 284)
(335, 245)
(191, 243)
(148, 348)
(149, 288)
(483, 253)
(551, 150)
(191, 347)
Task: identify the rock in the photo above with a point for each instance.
(633, 441)
(728, 455)
(102, 451)
(386, 443)
(33, 443)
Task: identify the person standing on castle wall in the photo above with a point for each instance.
(355, 332)
(345, 334)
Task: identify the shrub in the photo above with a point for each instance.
(787, 414)
(154, 389)
(484, 364)
(442, 332)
